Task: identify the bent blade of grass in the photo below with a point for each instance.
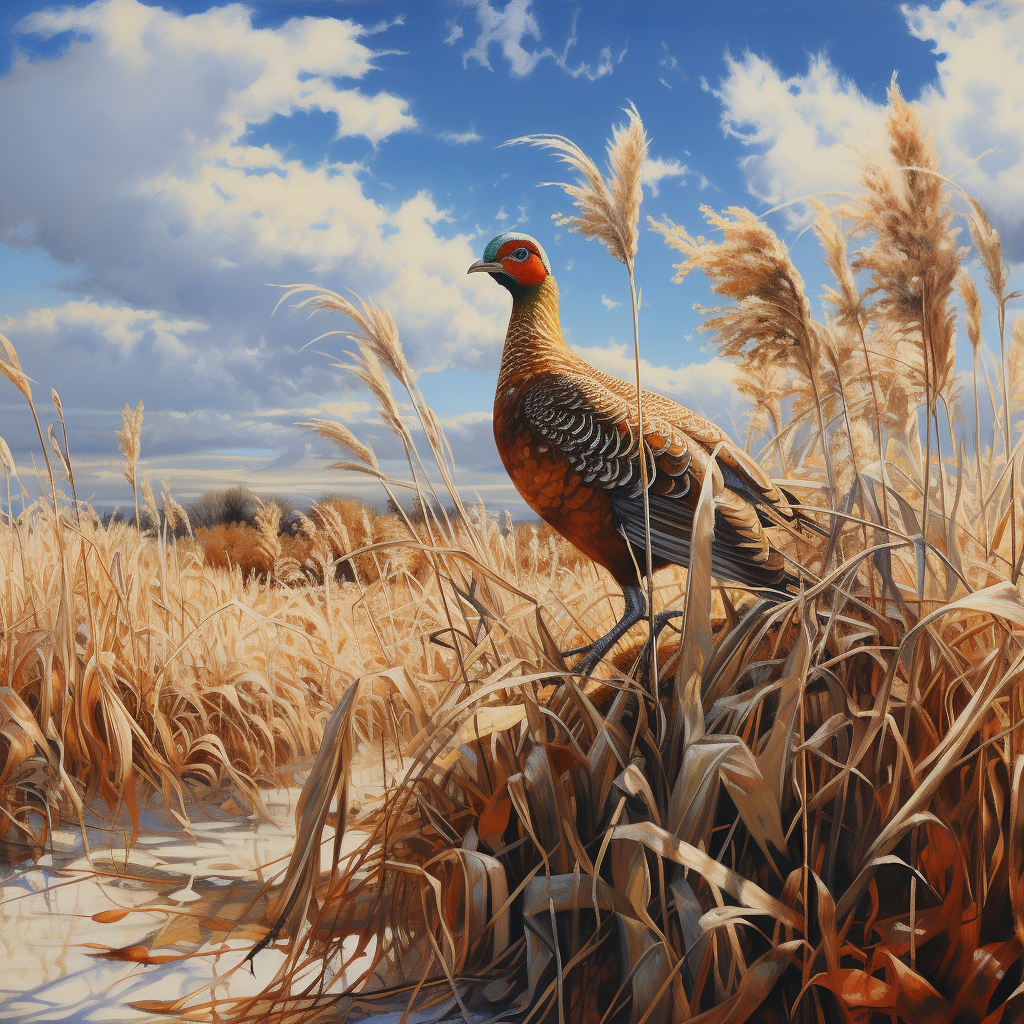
(748, 893)
(327, 778)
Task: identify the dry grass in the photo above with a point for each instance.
(819, 816)
(145, 666)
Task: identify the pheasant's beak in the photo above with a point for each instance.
(486, 268)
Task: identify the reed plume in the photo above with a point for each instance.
(609, 209)
(129, 442)
(770, 323)
(913, 259)
(174, 515)
(343, 438)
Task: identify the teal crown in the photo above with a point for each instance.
(520, 236)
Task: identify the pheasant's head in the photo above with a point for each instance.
(515, 260)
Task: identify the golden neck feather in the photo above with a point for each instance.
(534, 341)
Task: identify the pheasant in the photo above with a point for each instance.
(568, 437)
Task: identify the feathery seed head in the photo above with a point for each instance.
(969, 293)
(609, 209)
(914, 259)
(175, 515)
(771, 321)
(11, 368)
(990, 248)
(1015, 363)
(342, 437)
(129, 440)
(149, 500)
(847, 298)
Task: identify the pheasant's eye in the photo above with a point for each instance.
(520, 254)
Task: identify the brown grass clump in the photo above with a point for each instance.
(819, 815)
(134, 662)
(235, 544)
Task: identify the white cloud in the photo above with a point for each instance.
(119, 326)
(509, 28)
(808, 132)
(657, 169)
(461, 138)
(605, 66)
(467, 425)
(455, 32)
(146, 181)
(610, 303)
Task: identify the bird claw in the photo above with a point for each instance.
(585, 666)
(579, 650)
(661, 620)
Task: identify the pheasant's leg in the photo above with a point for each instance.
(636, 605)
(661, 620)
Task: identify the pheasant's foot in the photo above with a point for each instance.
(661, 620)
(634, 611)
(579, 650)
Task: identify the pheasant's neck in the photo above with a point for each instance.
(534, 342)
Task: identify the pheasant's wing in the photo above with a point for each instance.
(596, 429)
(742, 473)
(740, 552)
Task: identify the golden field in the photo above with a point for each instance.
(818, 813)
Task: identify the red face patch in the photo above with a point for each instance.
(528, 269)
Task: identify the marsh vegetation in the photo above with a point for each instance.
(818, 812)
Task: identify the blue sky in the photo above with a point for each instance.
(162, 166)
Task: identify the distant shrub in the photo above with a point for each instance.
(214, 508)
(284, 503)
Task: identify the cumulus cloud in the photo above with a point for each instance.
(146, 180)
(512, 29)
(120, 327)
(808, 132)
